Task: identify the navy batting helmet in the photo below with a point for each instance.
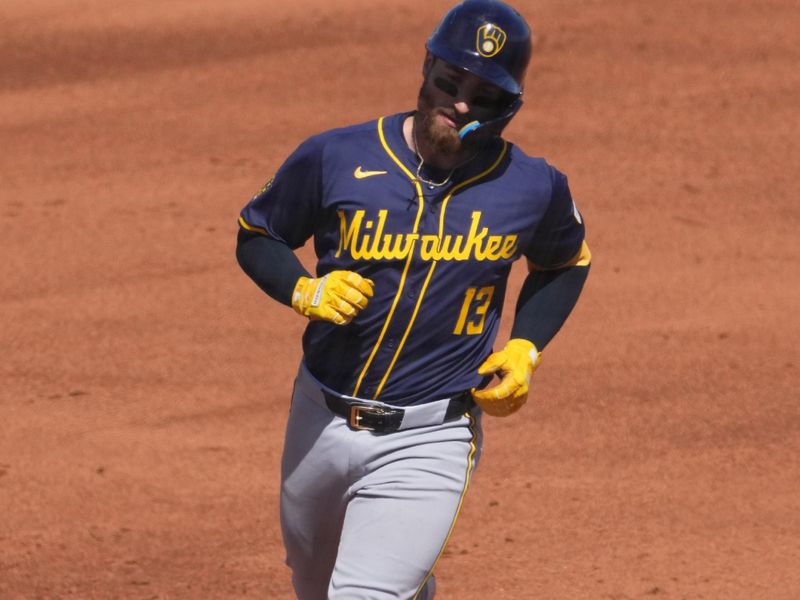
(487, 38)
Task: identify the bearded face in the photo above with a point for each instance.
(449, 98)
(432, 123)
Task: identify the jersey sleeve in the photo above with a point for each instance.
(559, 237)
(284, 209)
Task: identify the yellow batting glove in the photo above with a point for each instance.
(337, 297)
(515, 364)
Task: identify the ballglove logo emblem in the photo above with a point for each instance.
(491, 40)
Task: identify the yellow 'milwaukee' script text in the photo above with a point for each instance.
(365, 240)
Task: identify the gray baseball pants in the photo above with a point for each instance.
(366, 516)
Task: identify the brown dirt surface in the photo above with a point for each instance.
(145, 380)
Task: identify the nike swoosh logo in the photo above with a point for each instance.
(359, 173)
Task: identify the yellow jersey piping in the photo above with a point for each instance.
(407, 331)
(252, 228)
(408, 261)
(582, 259)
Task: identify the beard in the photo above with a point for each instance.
(441, 137)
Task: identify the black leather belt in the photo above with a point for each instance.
(385, 420)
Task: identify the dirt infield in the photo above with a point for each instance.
(145, 380)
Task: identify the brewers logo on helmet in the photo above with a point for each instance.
(490, 40)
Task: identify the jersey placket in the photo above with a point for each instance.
(378, 364)
(398, 327)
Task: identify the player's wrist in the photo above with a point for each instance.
(521, 346)
(300, 295)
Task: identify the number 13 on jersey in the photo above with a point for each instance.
(473, 310)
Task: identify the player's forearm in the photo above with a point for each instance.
(545, 301)
(270, 263)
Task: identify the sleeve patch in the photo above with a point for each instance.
(265, 187)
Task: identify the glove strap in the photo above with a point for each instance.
(316, 299)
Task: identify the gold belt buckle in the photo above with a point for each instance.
(355, 415)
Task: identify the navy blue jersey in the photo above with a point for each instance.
(439, 256)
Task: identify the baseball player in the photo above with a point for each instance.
(416, 219)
